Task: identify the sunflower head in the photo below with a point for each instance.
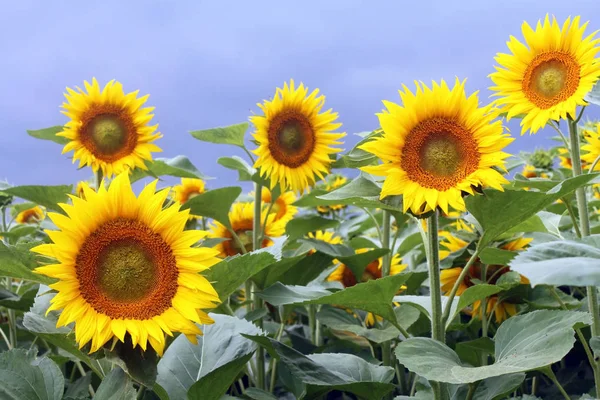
(241, 217)
(591, 147)
(501, 309)
(295, 139)
(188, 189)
(108, 129)
(437, 147)
(546, 77)
(282, 207)
(346, 277)
(31, 215)
(126, 266)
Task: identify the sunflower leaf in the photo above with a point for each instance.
(18, 262)
(523, 343)
(49, 134)
(116, 386)
(179, 166)
(302, 225)
(46, 196)
(245, 171)
(214, 204)
(232, 134)
(184, 363)
(594, 95)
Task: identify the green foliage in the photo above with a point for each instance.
(232, 134)
(46, 196)
(179, 166)
(214, 204)
(49, 134)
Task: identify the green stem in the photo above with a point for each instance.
(484, 320)
(376, 223)
(257, 301)
(460, 279)
(533, 385)
(312, 322)
(472, 390)
(6, 340)
(386, 347)
(571, 213)
(584, 219)
(98, 179)
(593, 166)
(274, 360)
(550, 374)
(562, 135)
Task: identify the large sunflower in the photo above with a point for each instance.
(294, 138)
(241, 217)
(126, 266)
(591, 148)
(436, 147)
(108, 129)
(546, 77)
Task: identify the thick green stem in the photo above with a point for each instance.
(550, 374)
(257, 301)
(386, 347)
(312, 322)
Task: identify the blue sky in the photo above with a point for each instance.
(207, 63)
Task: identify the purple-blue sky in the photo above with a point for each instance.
(207, 63)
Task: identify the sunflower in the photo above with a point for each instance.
(189, 188)
(346, 277)
(126, 266)
(79, 190)
(294, 138)
(108, 130)
(450, 244)
(438, 146)
(591, 147)
(337, 182)
(546, 77)
(282, 208)
(241, 217)
(325, 236)
(502, 309)
(30, 216)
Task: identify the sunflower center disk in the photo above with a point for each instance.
(551, 78)
(108, 133)
(441, 155)
(291, 139)
(126, 270)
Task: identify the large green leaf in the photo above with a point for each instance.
(299, 270)
(593, 97)
(563, 262)
(214, 384)
(116, 386)
(332, 371)
(523, 343)
(23, 377)
(49, 134)
(300, 226)
(358, 262)
(356, 157)
(230, 274)
(232, 134)
(15, 301)
(179, 166)
(214, 203)
(47, 196)
(373, 296)
(497, 212)
(18, 262)
(245, 171)
(184, 363)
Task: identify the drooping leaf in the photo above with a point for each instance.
(22, 302)
(214, 203)
(356, 157)
(178, 166)
(245, 171)
(46, 196)
(497, 212)
(184, 363)
(523, 343)
(116, 386)
(139, 365)
(300, 226)
(541, 297)
(214, 384)
(299, 270)
(18, 262)
(23, 377)
(496, 256)
(332, 371)
(573, 262)
(49, 134)
(232, 134)
(423, 303)
(373, 296)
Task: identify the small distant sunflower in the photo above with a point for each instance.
(450, 244)
(591, 148)
(31, 215)
(529, 171)
(282, 207)
(126, 266)
(325, 236)
(501, 308)
(108, 129)
(337, 182)
(189, 188)
(294, 138)
(79, 190)
(436, 147)
(346, 277)
(241, 217)
(546, 77)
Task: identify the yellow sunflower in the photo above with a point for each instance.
(241, 217)
(108, 129)
(546, 77)
(337, 182)
(282, 207)
(79, 190)
(502, 309)
(346, 277)
(189, 188)
(295, 138)
(126, 266)
(325, 236)
(450, 244)
(438, 146)
(591, 148)
(30, 216)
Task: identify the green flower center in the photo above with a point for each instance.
(108, 133)
(440, 155)
(549, 78)
(291, 137)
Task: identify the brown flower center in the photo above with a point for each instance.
(372, 271)
(126, 270)
(551, 78)
(291, 138)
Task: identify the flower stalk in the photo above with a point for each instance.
(257, 301)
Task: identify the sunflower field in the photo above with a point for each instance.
(425, 262)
